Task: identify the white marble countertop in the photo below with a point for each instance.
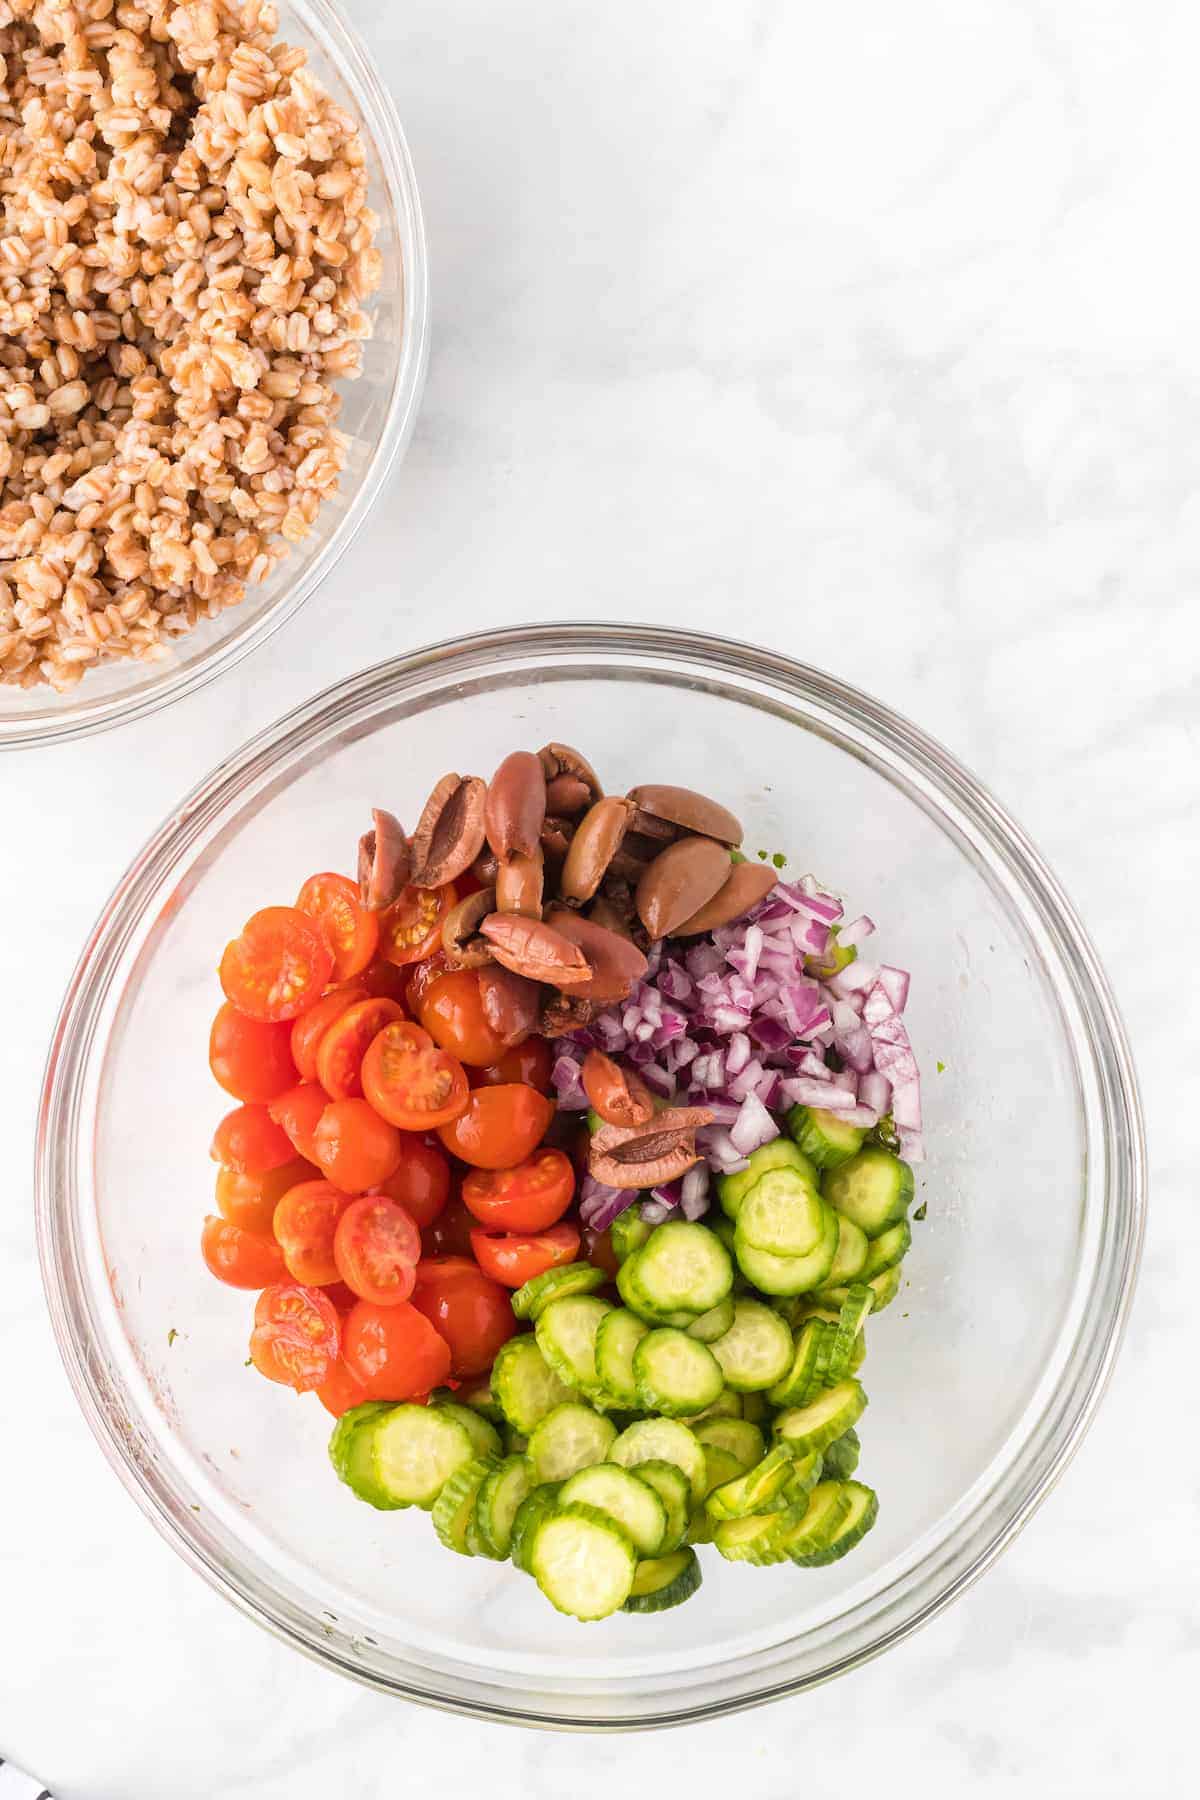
(866, 332)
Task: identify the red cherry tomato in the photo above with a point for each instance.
(377, 1249)
(340, 1390)
(304, 1224)
(451, 1011)
(346, 1042)
(530, 1062)
(530, 1197)
(450, 1233)
(411, 928)
(387, 981)
(342, 1297)
(240, 1258)
(250, 1060)
(296, 1336)
(393, 1351)
(598, 1250)
(512, 1260)
(410, 1082)
(299, 1112)
(278, 966)
(311, 1026)
(353, 1147)
(249, 1140)
(500, 1126)
(421, 977)
(421, 1182)
(471, 1313)
(351, 932)
(250, 1200)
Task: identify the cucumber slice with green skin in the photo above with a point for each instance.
(801, 1379)
(525, 1384)
(594, 1122)
(824, 1138)
(780, 1153)
(618, 1336)
(675, 1491)
(756, 1538)
(790, 1274)
(637, 1303)
(620, 1495)
(850, 1257)
(454, 1508)
(660, 1582)
(806, 1472)
(861, 1513)
(756, 1350)
(515, 1442)
(840, 1459)
(760, 1489)
(885, 1287)
(662, 1439)
(723, 1228)
(782, 1213)
(566, 1336)
(351, 1454)
(582, 1561)
(533, 1509)
(873, 1189)
(755, 1408)
(681, 1267)
(727, 1405)
(675, 1374)
(714, 1323)
(855, 1307)
(555, 1284)
(481, 1431)
(700, 1528)
(628, 1232)
(479, 1397)
(498, 1500)
(737, 1437)
(886, 1250)
(721, 1468)
(414, 1451)
(476, 1543)
(570, 1438)
(815, 1426)
(827, 1510)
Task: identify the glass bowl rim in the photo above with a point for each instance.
(80, 716)
(1064, 1417)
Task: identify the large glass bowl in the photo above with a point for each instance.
(983, 1374)
(378, 412)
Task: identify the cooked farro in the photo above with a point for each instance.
(184, 251)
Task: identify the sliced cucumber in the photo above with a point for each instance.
(738, 1437)
(570, 1438)
(525, 1385)
(481, 1431)
(515, 1442)
(499, 1498)
(556, 1284)
(638, 1304)
(720, 1467)
(885, 1287)
(760, 1489)
(873, 1189)
(680, 1267)
(861, 1512)
(755, 1408)
(476, 1544)
(824, 1138)
(662, 1439)
(619, 1494)
(841, 1458)
(414, 1451)
(723, 1228)
(660, 1582)
(582, 1561)
(352, 1455)
(822, 1519)
(786, 1275)
(566, 1336)
(780, 1153)
(617, 1337)
(700, 1528)
(806, 1472)
(850, 1256)
(628, 1232)
(727, 1405)
(756, 1350)
(479, 1397)
(714, 1323)
(533, 1509)
(812, 1427)
(814, 1347)
(855, 1307)
(675, 1374)
(782, 1213)
(886, 1250)
(675, 1491)
(454, 1508)
(756, 1538)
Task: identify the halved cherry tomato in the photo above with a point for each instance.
(394, 1351)
(412, 925)
(252, 1061)
(499, 1127)
(299, 1112)
(529, 1197)
(250, 1200)
(296, 1336)
(512, 1260)
(249, 1140)
(305, 1222)
(311, 1026)
(421, 1182)
(530, 1062)
(377, 1249)
(422, 975)
(278, 966)
(343, 1297)
(598, 1250)
(387, 981)
(450, 1234)
(451, 1011)
(240, 1258)
(470, 1312)
(353, 1147)
(351, 932)
(345, 1043)
(340, 1390)
(410, 1082)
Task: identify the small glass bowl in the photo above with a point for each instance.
(982, 1375)
(378, 412)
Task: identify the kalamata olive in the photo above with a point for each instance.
(691, 811)
(519, 885)
(616, 963)
(619, 1095)
(747, 884)
(460, 930)
(680, 880)
(596, 841)
(516, 805)
(528, 947)
(642, 1156)
(449, 833)
(384, 861)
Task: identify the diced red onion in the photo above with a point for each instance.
(657, 1080)
(737, 1053)
(599, 1205)
(875, 1091)
(906, 1104)
(856, 932)
(669, 1193)
(895, 983)
(654, 1212)
(568, 1085)
(753, 1126)
(801, 1091)
(693, 1194)
(912, 1146)
(846, 1078)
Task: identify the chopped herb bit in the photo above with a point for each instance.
(735, 856)
(195, 1508)
(171, 1336)
(762, 856)
(941, 1068)
(247, 1362)
(921, 1210)
(779, 859)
